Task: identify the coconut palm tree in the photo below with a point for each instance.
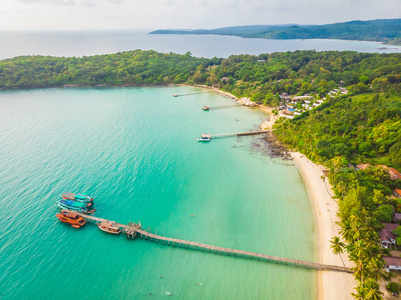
(337, 246)
(346, 231)
(371, 288)
(360, 292)
(376, 269)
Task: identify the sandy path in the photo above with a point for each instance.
(331, 285)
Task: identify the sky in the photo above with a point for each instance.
(185, 14)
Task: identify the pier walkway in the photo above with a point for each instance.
(133, 229)
(187, 94)
(221, 106)
(223, 135)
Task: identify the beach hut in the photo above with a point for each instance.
(397, 193)
(362, 166)
(387, 237)
(392, 263)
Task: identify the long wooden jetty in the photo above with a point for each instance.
(224, 135)
(187, 94)
(134, 229)
(221, 106)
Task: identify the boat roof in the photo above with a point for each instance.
(108, 224)
(70, 214)
(72, 203)
(68, 195)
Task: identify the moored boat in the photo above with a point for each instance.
(71, 218)
(205, 137)
(76, 197)
(109, 227)
(74, 205)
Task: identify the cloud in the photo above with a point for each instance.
(55, 2)
(118, 2)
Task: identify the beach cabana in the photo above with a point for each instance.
(387, 237)
(397, 193)
(392, 263)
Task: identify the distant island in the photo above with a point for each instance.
(387, 31)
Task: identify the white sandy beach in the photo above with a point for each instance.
(331, 285)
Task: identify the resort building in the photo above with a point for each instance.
(394, 174)
(387, 237)
(362, 167)
(300, 98)
(397, 217)
(285, 97)
(397, 193)
(392, 263)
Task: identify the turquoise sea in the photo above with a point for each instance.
(135, 151)
(80, 43)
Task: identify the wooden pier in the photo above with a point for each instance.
(224, 135)
(220, 106)
(134, 229)
(188, 94)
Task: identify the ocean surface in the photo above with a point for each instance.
(135, 151)
(80, 43)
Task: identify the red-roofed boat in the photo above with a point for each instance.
(71, 218)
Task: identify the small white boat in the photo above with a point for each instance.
(109, 227)
(205, 137)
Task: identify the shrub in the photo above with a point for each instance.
(393, 287)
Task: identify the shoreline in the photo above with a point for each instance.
(325, 213)
(325, 210)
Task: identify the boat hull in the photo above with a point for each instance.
(68, 207)
(107, 229)
(76, 223)
(204, 140)
(76, 197)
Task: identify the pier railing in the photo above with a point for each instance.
(134, 229)
(223, 135)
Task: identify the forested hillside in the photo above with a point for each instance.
(386, 30)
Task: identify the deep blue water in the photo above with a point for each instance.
(80, 43)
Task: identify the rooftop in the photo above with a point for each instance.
(392, 261)
(386, 233)
(363, 166)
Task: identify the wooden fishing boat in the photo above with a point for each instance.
(205, 137)
(74, 205)
(76, 197)
(71, 218)
(206, 107)
(109, 227)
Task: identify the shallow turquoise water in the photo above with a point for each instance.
(135, 151)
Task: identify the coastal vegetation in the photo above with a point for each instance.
(363, 126)
(385, 30)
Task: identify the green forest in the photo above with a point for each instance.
(384, 30)
(363, 126)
